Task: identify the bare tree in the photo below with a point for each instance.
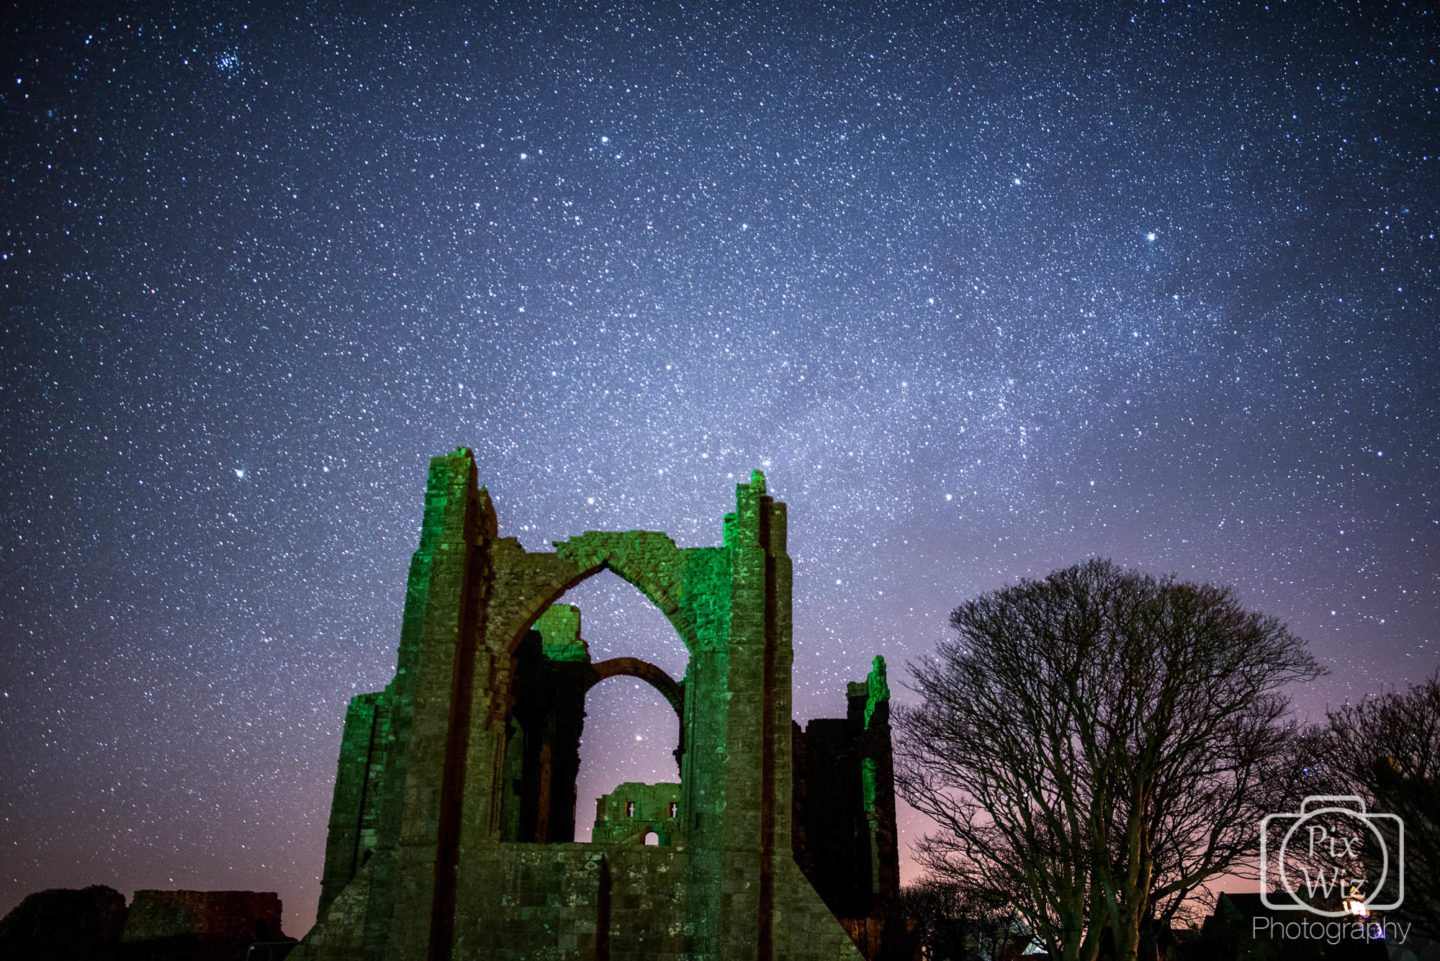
(1386, 750)
(1099, 744)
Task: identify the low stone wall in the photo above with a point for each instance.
(65, 924)
(577, 901)
(94, 924)
(238, 916)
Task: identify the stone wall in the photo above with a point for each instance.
(65, 925)
(94, 924)
(844, 818)
(628, 814)
(200, 925)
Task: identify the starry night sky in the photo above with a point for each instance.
(984, 289)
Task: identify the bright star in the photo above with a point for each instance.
(1150, 236)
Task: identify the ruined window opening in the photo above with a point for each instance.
(651, 838)
(631, 736)
(674, 809)
(593, 704)
(631, 732)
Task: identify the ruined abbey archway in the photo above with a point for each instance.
(449, 824)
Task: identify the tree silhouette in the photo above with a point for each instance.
(1098, 744)
(1386, 750)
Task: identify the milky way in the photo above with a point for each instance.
(984, 292)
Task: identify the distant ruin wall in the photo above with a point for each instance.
(95, 924)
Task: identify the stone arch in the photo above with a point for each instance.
(533, 703)
(673, 691)
(670, 689)
(649, 561)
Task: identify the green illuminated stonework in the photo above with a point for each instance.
(632, 812)
(452, 827)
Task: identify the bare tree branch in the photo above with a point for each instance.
(1386, 750)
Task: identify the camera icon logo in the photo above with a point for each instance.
(1332, 858)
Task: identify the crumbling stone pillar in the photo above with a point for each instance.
(353, 812)
(844, 816)
(551, 672)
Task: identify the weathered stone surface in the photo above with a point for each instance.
(844, 818)
(354, 808)
(65, 924)
(631, 812)
(454, 800)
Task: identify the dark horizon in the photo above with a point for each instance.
(984, 294)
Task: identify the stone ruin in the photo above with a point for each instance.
(452, 828)
(634, 813)
(95, 924)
